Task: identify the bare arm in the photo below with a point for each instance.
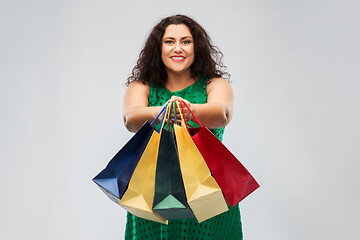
(218, 110)
(135, 108)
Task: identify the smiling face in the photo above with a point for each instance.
(177, 49)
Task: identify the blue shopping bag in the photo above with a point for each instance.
(114, 179)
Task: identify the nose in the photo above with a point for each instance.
(177, 48)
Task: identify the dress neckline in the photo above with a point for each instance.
(191, 85)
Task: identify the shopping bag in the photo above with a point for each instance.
(139, 196)
(233, 178)
(170, 199)
(113, 180)
(204, 195)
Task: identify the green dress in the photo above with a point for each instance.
(225, 226)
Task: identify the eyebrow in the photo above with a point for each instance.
(181, 38)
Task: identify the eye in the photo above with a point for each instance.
(186, 42)
(169, 42)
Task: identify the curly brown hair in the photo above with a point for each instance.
(150, 67)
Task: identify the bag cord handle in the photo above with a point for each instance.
(197, 120)
(183, 117)
(162, 110)
(166, 113)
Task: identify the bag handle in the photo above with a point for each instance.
(166, 113)
(162, 110)
(183, 117)
(197, 120)
(174, 112)
(187, 123)
(167, 124)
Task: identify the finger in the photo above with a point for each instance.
(173, 99)
(187, 106)
(178, 111)
(169, 120)
(177, 120)
(182, 109)
(176, 98)
(177, 115)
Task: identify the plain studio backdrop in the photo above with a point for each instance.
(295, 74)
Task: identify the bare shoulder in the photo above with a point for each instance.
(139, 87)
(137, 94)
(218, 84)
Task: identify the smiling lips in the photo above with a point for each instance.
(177, 58)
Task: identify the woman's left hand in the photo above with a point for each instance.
(188, 115)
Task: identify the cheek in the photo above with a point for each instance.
(163, 54)
(192, 53)
(165, 51)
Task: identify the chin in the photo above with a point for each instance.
(178, 71)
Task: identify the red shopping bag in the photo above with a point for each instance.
(233, 178)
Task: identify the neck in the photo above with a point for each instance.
(178, 81)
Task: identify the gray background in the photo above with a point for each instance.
(295, 72)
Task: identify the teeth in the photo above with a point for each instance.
(177, 57)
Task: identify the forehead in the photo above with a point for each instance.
(177, 31)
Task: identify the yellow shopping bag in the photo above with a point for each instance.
(138, 198)
(204, 195)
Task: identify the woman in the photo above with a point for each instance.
(179, 62)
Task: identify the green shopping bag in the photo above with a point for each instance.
(169, 199)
